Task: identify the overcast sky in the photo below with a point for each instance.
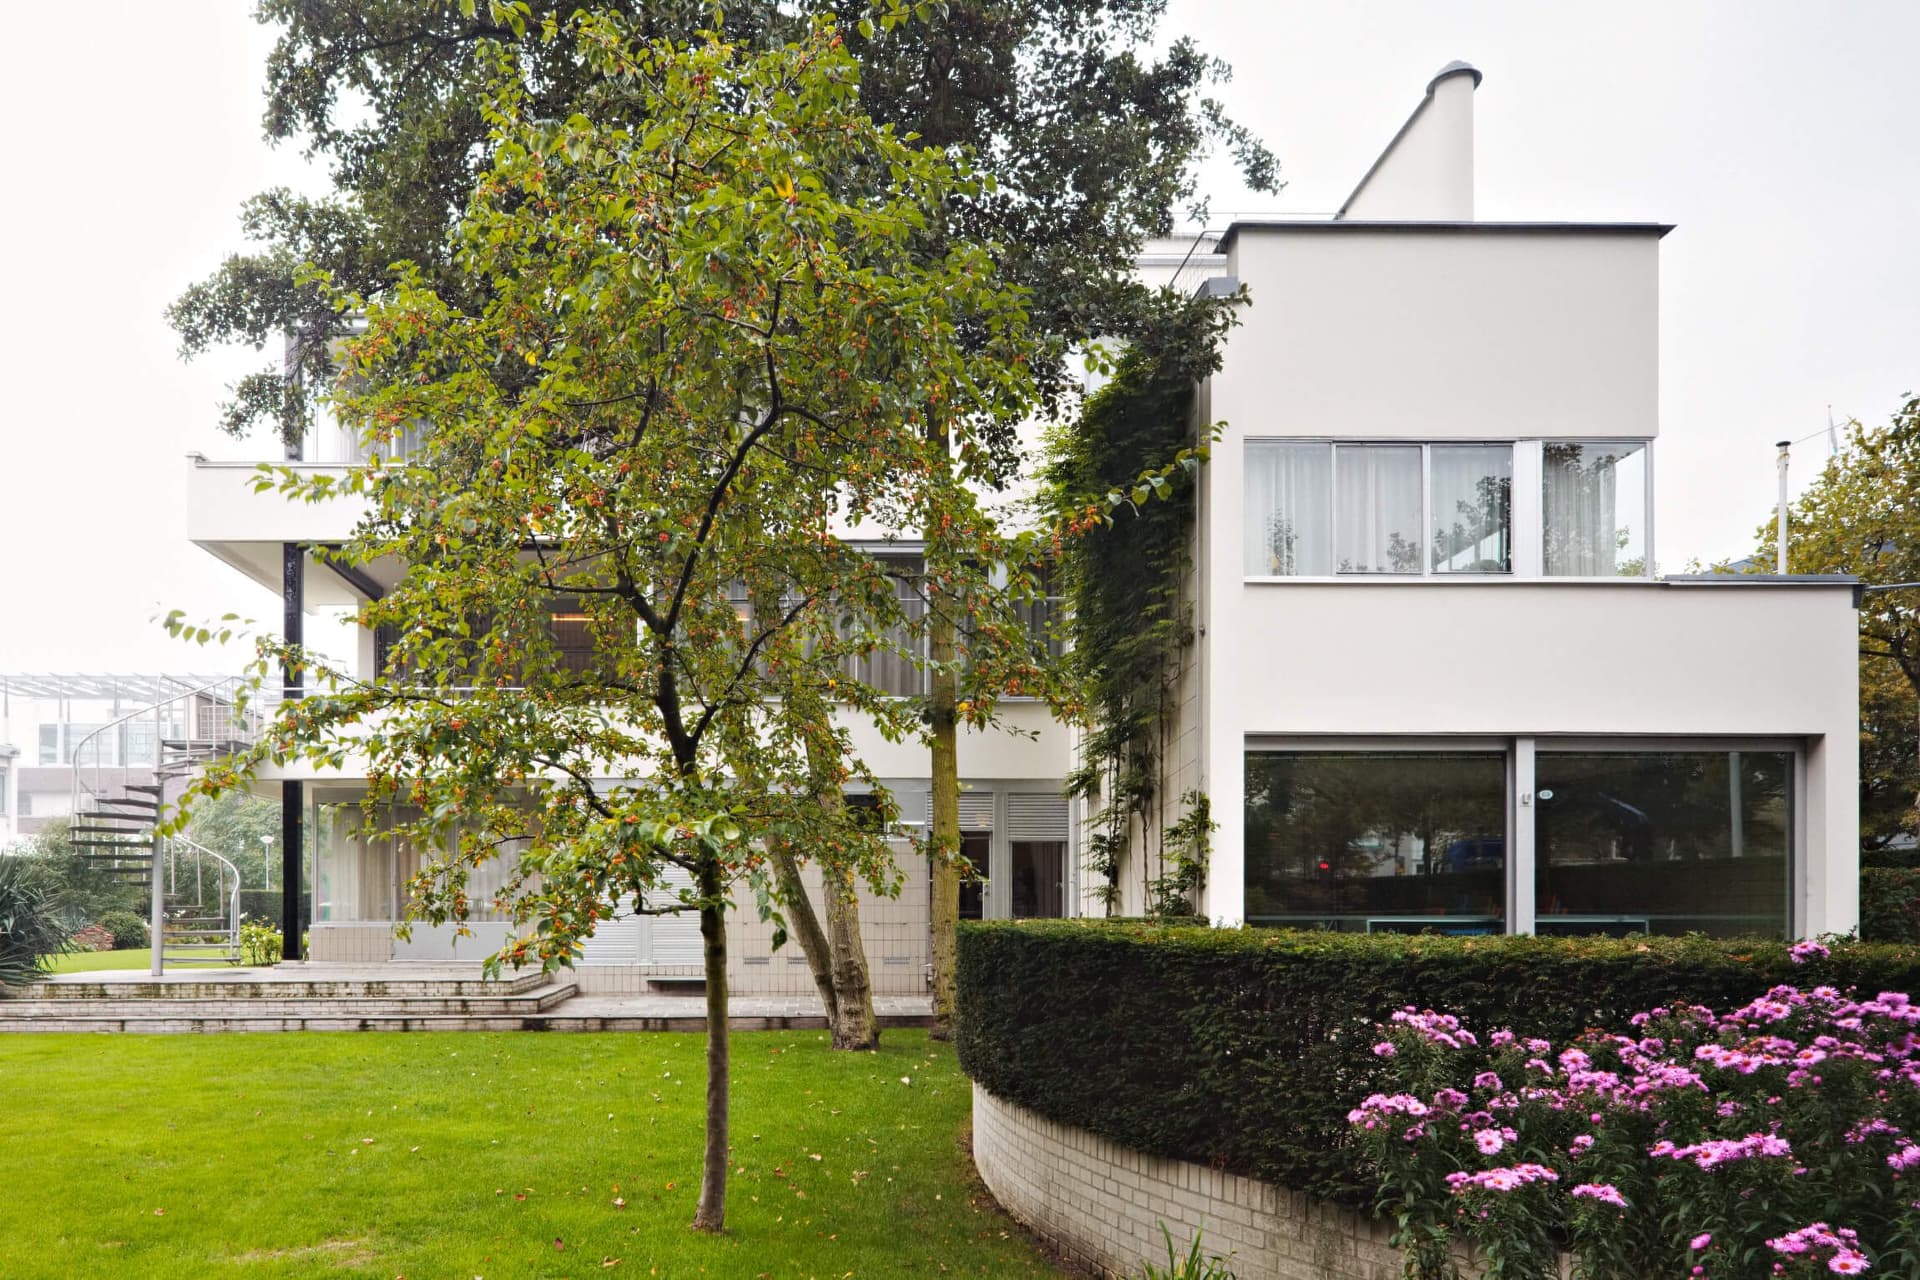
(1780, 137)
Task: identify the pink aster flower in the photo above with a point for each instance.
(1700, 1241)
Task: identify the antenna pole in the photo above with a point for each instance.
(1782, 539)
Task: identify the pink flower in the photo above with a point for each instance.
(1700, 1241)
(1604, 1192)
(1489, 1141)
(1847, 1263)
(1384, 1049)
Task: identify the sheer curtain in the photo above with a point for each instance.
(1286, 518)
(1594, 509)
(1472, 506)
(1377, 509)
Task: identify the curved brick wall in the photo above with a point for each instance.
(1102, 1204)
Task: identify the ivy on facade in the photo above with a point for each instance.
(1125, 578)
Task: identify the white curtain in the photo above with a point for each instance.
(1377, 509)
(1472, 527)
(1594, 509)
(1286, 519)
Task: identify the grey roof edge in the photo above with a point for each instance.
(1658, 229)
(1452, 69)
(1761, 579)
(1789, 580)
(1217, 287)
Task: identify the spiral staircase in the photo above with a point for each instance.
(115, 827)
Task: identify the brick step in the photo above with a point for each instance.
(42, 1012)
(249, 984)
(557, 1021)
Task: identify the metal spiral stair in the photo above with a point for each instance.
(117, 833)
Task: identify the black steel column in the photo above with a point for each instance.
(293, 568)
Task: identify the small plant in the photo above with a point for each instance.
(31, 927)
(261, 943)
(129, 930)
(1186, 845)
(1195, 1265)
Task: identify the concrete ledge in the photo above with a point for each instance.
(1101, 1205)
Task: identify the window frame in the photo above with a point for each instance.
(1522, 752)
(1526, 506)
(1539, 500)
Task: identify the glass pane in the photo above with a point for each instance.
(1377, 841)
(1377, 508)
(1595, 509)
(1663, 842)
(974, 847)
(1472, 508)
(1288, 524)
(1039, 879)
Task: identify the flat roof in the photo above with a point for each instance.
(1346, 225)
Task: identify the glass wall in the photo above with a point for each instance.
(1371, 841)
(1594, 509)
(1663, 841)
(1039, 879)
(1316, 509)
(1660, 838)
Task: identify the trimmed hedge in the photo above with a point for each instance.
(1890, 905)
(1907, 859)
(1244, 1049)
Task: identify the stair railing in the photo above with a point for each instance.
(232, 896)
(219, 699)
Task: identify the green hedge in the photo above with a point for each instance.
(1245, 1049)
(1890, 905)
(1908, 859)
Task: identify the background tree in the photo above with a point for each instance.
(685, 353)
(1862, 516)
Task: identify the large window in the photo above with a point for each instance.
(1320, 509)
(1594, 509)
(1377, 841)
(1663, 841)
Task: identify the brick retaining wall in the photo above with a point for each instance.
(1102, 1204)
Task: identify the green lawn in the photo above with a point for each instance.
(89, 961)
(493, 1155)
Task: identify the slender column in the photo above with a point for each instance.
(1521, 864)
(292, 844)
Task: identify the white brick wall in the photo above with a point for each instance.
(1102, 1204)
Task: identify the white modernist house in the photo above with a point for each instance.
(1437, 680)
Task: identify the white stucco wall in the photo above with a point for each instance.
(1542, 659)
(1427, 170)
(1439, 334)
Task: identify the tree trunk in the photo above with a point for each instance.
(711, 1213)
(944, 910)
(851, 1018)
(806, 927)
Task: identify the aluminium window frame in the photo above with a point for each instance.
(1526, 514)
(1522, 752)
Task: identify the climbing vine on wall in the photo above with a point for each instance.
(1124, 577)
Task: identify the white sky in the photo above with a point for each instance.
(1779, 136)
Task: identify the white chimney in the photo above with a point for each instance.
(1426, 172)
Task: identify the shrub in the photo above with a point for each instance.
(1890, 905)
(1904, 859)
(31, 926)
(261, 943)
(1245, 1048)
(1768, 1140)
(92, 938)
(129, 930)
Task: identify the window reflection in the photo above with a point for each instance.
(1663, 842)
(1377, 841)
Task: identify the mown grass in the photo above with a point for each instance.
(91, 961)
(491, 1155)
